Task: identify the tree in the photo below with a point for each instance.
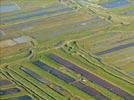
(109, 17)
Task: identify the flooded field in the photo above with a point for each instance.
(68, 28)
(8, 7)
(90, 91)
(5, 82)
(9, 91)
(129, 12)
(68, 79)
(34, 75)
(39, 12)
(66, 50)
(55, 72)
(91, 77)
(115, 3)
(21, 98)
(115, 49)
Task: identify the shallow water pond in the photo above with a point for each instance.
(115, 3)
(25, 97)
(129, 12)
(8, 8)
